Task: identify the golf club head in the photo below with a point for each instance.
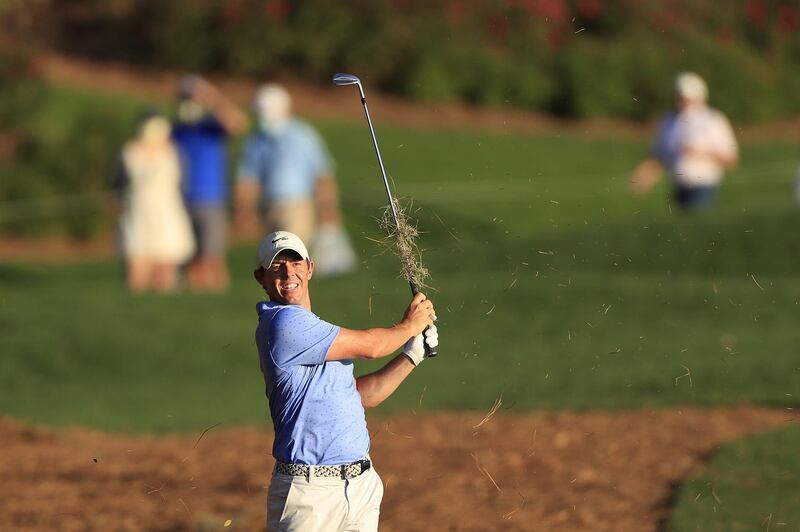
(345, 79)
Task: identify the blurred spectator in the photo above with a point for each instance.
(205, 118)
(695, 143)
(286, 168)
(156, 234)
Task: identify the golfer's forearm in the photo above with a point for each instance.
(374, 388)
(386, 341)
(369, 343)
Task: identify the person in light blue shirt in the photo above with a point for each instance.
(286, 170)
(286, 162)
(323, 477)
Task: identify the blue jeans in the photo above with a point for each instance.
(695, 198)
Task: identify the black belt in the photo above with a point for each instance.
(344, 471)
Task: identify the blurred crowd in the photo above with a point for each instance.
(174, 201)
(173, 196)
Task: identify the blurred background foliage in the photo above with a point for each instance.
(57, 148)
(578, 59)
(574, 58)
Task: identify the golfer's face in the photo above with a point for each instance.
(286, 279)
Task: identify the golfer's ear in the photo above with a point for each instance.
(310, 268)
(258, 275)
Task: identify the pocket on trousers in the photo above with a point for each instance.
(280, 489)
(314, 506)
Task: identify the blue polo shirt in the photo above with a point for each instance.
(314, 404)
(202, 145)
(287, 163)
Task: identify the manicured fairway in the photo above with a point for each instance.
(753, 484)
(554, 289)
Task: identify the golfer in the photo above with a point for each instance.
(324, 478)
(695, 143)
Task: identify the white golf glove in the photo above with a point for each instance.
(414, 348)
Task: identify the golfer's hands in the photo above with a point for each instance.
(415, 348)
(419, 314)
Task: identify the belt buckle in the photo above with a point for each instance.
(365, 465)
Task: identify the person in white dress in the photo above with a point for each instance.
(155, 230)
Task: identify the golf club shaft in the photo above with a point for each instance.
(430, 352)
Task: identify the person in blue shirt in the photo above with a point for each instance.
(286, 169)
(323, 477)
(205, 119)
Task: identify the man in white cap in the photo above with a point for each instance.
(324, 478)
(695, 143)
(286, 168)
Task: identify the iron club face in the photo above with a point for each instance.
(346, 79)
(342, 80)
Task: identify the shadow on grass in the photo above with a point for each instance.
(675, 488)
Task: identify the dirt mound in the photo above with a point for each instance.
(543, 471)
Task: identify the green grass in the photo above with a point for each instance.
(64, 107)
(753, 484)
(553, 287)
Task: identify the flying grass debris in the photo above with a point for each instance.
(156, 490)
(491, 412)
(204, 433)
(687, 374)
(484, 471)
(398, 435)
(532, 450)
(510, 514)
(401, 239)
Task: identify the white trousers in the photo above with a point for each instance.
(319, 504)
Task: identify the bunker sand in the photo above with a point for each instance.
(541, 471)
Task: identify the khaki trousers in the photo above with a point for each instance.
(297, 217)
(317, 504)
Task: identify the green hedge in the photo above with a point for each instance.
(64, 144)
(578, 58)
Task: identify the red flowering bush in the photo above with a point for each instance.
(572, 57)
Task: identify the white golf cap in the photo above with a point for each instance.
(272, 103)
(691, 86)
(274, 243)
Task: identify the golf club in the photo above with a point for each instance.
(350, 79)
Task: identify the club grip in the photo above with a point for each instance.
(430, 352)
